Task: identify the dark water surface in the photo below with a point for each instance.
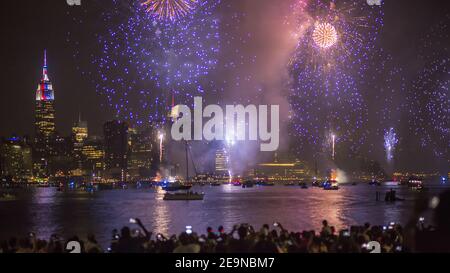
(46, 211)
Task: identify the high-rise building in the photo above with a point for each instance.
(93, 154)
(142, 152)
(221, 161)
(44, 123)
(61, 160)
(79, 135)
(45, 108)
(116, 145)
(80, 131)
(15, 158)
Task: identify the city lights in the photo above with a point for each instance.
(225, 127)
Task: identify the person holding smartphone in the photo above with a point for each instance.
(187, 243)
(243, 243)
(129, 244)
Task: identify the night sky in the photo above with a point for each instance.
(28, 27)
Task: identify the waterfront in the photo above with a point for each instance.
(46, 211)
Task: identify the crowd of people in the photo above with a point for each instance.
(242, 238)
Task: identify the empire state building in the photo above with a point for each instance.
(45, 110)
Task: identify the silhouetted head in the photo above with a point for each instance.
(41, 244)
(441, 212)
(184, 238)
(13, 242)
(91, 238)
(4, 245)
(24, 243)
(242, 232)
(274, 234)
(125, 232)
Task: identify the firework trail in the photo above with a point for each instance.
(428, 99)
(335, 44)
(324, 35)
(140, 62)
(390, 142)
(385, 90)
(169, 9)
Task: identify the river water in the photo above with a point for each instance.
(46, 211)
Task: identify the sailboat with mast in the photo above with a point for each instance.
(187, 195)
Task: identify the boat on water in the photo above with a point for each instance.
(105, 186)
(236, 182)
(330, 185)
(8, 197)
(248, 184)
(184, 196)
(143, 184)
(391, 196)
(303, 185)
(415, 183)
(391, 183)
(288, 184)
(215, 184)
(374, 182)
(266, 183)
(80, 189)
(176, 186)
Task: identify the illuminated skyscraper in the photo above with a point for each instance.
(44, 123)
(93, 154)
(79, 135)
(45, 108)
(142, 152)
(80, 131)
(15, 158)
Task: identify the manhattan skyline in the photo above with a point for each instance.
(406, 23)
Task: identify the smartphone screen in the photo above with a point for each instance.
(189, 229)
